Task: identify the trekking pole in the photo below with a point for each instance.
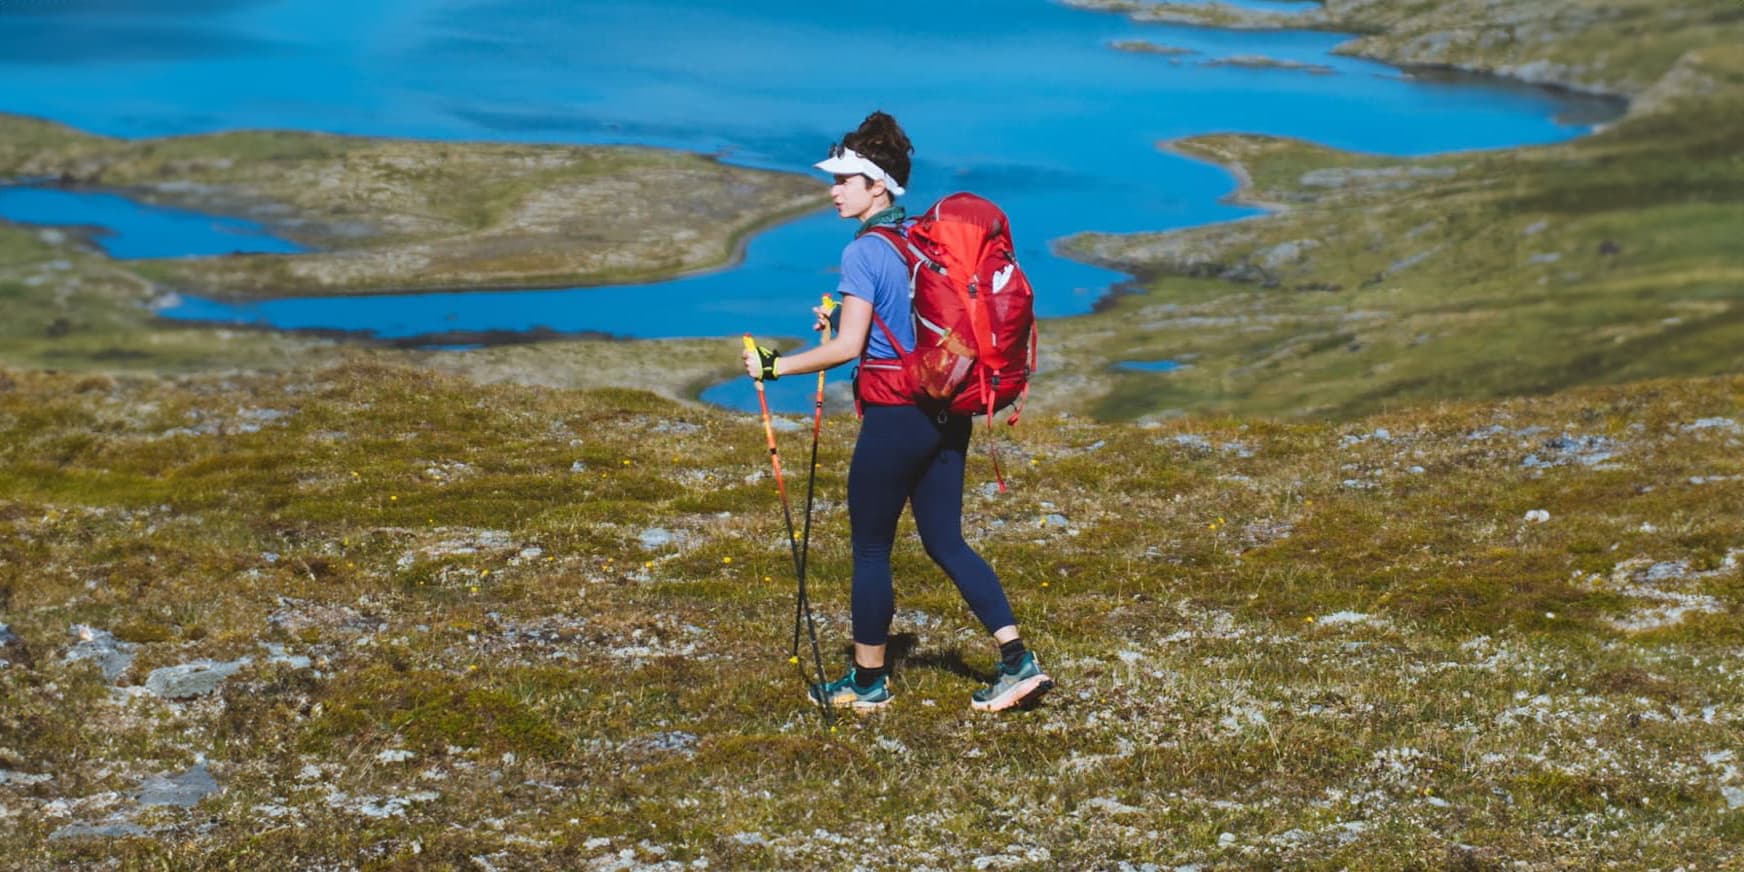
(803, 605)
(787, 515)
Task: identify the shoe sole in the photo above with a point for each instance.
(1027, 692)
(857, 706)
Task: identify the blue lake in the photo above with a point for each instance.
(1025, 102)
(129, 230)
(1149, 365)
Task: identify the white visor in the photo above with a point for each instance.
(852, 163)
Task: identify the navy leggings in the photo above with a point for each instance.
(906, 456)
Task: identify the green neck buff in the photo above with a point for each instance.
(892, 215)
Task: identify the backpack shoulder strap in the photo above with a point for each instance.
(893, 237)
(911, 258)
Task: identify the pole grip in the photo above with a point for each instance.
(829, 306)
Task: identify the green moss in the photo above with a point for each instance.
(428, 712)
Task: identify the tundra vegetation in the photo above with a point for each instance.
(371, 615)
(1454, 582)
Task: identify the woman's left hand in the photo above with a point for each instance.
(759, 361)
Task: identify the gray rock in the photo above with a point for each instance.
(681, 427)
(1055, 520)
(190, 680)
(1714, 424)
(12, 649)
(1383, 177)
(113, 828)
(113, 656)
(655, 538)
(1669, 570)
(7, 776)
(183, 791)
(1399, 266)
(1193, 441)
(1286, 253)
(670, 742)
(276, 655)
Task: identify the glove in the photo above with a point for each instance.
(766, 359)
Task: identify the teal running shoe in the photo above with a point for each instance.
(1023, 686)
(843, 693)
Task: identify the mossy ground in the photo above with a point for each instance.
(1342, 645)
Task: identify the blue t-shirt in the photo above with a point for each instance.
(874, 272)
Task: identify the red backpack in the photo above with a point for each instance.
(974, 316)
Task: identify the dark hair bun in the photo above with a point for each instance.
(882, 141)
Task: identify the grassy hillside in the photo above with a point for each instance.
(1460, 636)
(1492, 274)
(1619, 47)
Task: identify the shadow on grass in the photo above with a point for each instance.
(900, 653)
(903, 655)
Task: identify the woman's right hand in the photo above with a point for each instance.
(827, 318)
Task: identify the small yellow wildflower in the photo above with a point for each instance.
(726, 560)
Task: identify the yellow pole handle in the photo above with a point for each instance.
(751, 346)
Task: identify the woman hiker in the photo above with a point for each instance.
(904, 455)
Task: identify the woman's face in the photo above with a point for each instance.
(855, 197)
